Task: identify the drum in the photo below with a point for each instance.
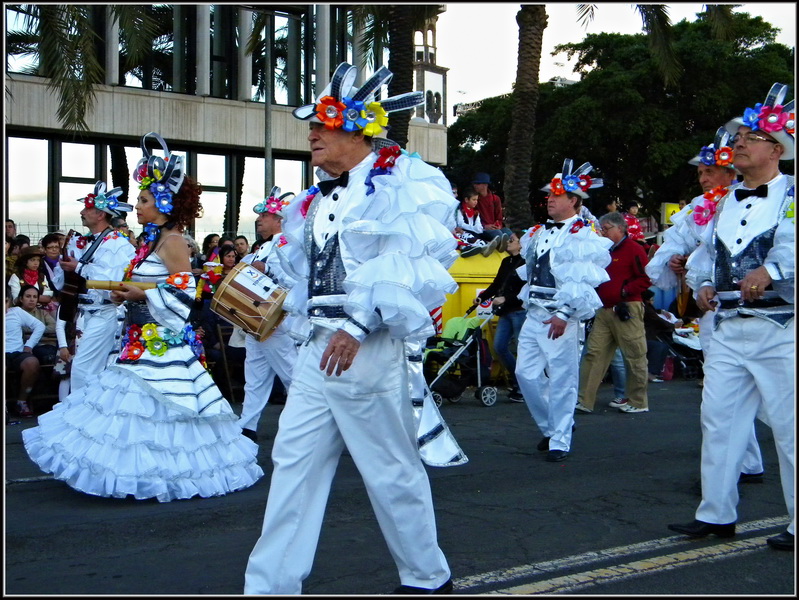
(251, 300)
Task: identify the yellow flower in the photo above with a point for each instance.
(377, 118)
(150, 332)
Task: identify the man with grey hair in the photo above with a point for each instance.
(620, 321)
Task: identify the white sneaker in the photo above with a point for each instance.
(629, 408)
(618, 402)
(582, 408)
(490, 247)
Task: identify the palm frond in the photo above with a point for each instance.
(657, 25)
(585, 13)
(720, 18)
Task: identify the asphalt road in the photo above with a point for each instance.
(509, 522)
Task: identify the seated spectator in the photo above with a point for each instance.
(24, 242)
(26, 270)
(19, 355)
(657, 326)
(28, 300)
(53, 273)
(472, 239)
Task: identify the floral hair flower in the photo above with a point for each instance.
(723, 156)
(163, 197)
(329, 111)
(150, 331)
(771, 118)
(89, 200)
(376, 117)
(157, 346)
(751, 116)
(178, 280)
(707, 155)
(354, 115)
(557, 186)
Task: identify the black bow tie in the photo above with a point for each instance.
(760, 191)
(91, 238)
(327, 186)
(551, 225)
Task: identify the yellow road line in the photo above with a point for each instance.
(571, 583)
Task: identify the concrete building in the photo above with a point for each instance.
(200, 94)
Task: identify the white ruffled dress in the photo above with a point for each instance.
(154, 424)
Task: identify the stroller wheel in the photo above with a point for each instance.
(438, 398)
(487, 395)
(454, 399)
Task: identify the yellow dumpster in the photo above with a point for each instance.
(474, 274)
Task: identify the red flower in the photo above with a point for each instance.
(557, 186)
(534, 229)
(772, 119)
(388, 156)
(585, 182)
(132, 351)
(81, 242)
(790, 124)
(724, 156)
(134, 332)
(328, 110)
(576, 226)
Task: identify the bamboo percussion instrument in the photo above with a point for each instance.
(94, 284)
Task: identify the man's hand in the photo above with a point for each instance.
(754, 284)
(69, 263)
(704, 298)
(677, 263)
(340, 353)
(556, 327)
(63, 354)
(491, 227)
(260, 265)
(28, 349)
(129, 292)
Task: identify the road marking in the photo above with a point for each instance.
(506, 576)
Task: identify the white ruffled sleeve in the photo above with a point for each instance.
(288, 263)
(578, 266)
(677, 239)
(170, 305)
(397, 252)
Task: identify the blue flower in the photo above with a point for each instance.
(151, 231)
(353, 115)
(173, 338)
(751, 115)
(571, 183)
(707, 155)
(163, 197)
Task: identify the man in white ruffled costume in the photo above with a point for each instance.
(749, 265)
(690, 226)
(103, 255)
(277, 354)
(564, 261)
(366, 258)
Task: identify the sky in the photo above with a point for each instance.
(486, 67)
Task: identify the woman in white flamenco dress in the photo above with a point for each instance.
(153, 424)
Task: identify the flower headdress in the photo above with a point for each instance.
(274, 204)
(574, 182)
(343, 106)
(162, 176)
(106, 201)
(771, 117)
(719, 153)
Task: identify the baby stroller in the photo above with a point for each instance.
(686, 351)
(460, 358)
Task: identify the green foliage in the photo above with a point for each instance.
(620, 118)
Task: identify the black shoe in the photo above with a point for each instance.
(699, 529)
(783, 541)
(515, 396)
(556, 455)
(543, 445)
(249, 433)
(751, 478)
(409, 590)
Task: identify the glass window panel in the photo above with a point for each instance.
(214, 204)
(211, 170)
(27, 186)
(252, 193)
(69, 207)
(77, 160)
(288, 175)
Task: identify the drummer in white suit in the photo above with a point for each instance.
(277, 353)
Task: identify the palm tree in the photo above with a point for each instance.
(532, 20)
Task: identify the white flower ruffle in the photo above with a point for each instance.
(578, 266)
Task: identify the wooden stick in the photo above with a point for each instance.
(117, 285)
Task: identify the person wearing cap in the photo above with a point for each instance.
(365, 256)
(277, 354)
(489, 207)
(102, 255)
(27, 269)
(744, 274)
(153, 424)
(564, 261)
(691, 225)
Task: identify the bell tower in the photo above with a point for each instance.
(428, 76)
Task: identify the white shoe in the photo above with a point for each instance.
(618, 402)
(629, 408)
(582, 408)
(490, 247)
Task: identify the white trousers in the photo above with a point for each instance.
(276, 355)
(367, 410)
(551, 396)
(749, 368)
(753, 459)
(96, 343)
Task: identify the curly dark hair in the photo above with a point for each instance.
(186, 203)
